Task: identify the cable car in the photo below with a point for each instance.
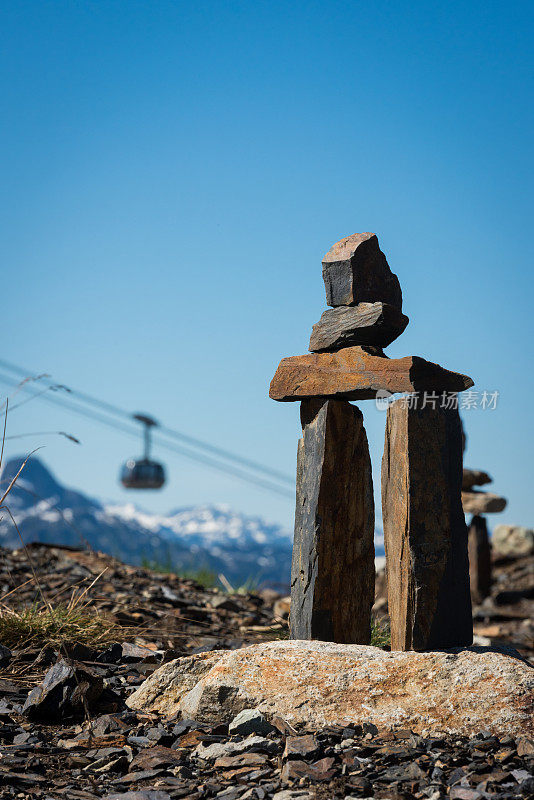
(143, 473)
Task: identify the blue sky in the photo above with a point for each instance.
(173, 173)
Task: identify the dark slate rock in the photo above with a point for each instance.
(5, 655)
(376, 324)
(429, 597)
(66, 689)
(334, 527)
(355, 271)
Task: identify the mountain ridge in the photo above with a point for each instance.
(212, 537)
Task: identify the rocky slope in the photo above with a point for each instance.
(66, 732)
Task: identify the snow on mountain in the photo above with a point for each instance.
(206, 525)
(212, 537)
(208, 536)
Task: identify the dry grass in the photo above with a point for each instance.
(56, 626)
(45, 624)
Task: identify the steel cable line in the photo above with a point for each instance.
(227, 469)
(170, 432)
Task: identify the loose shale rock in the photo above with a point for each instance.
(367, 323)
(66, 689)
(355, 270)
(355, 374)
(320, 683)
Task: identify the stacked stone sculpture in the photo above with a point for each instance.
(333, 573)
(478, 503)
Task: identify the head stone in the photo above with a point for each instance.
(355, 271)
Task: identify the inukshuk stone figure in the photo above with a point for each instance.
(332, 575)
(478, 503)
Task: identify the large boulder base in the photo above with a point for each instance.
(353, 373)
(459, 691)
(367, 323)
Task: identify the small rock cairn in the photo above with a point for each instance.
(478, 503)
(333, 570)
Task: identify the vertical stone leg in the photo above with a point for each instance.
(333, 568)
(479, 559)
(424, 529)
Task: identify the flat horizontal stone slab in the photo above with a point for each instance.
(482, 503)
(320, 683)
(367, 323)
(355, 374)
(474, 477)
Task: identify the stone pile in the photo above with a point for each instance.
(478, 503)
(332, 579)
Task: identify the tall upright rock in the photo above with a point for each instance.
(424, 529)
(479, 559)
(333, 571)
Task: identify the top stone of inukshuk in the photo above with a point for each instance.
(346, 359)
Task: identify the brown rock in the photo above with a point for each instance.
(298, 770)
(355, 374)
(479, 559)
(425, 535)
(482, 503)
(333, 568)
(241, 760)
(283, 726)
(355, 271)
(474, 477)
(320, 683)
(525, 746)
(367, 323)
(305, 746)
(155, 757)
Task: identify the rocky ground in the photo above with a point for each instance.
(72, 736)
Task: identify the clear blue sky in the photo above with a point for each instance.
(172, 174)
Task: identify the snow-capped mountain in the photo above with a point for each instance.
(212, 537)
